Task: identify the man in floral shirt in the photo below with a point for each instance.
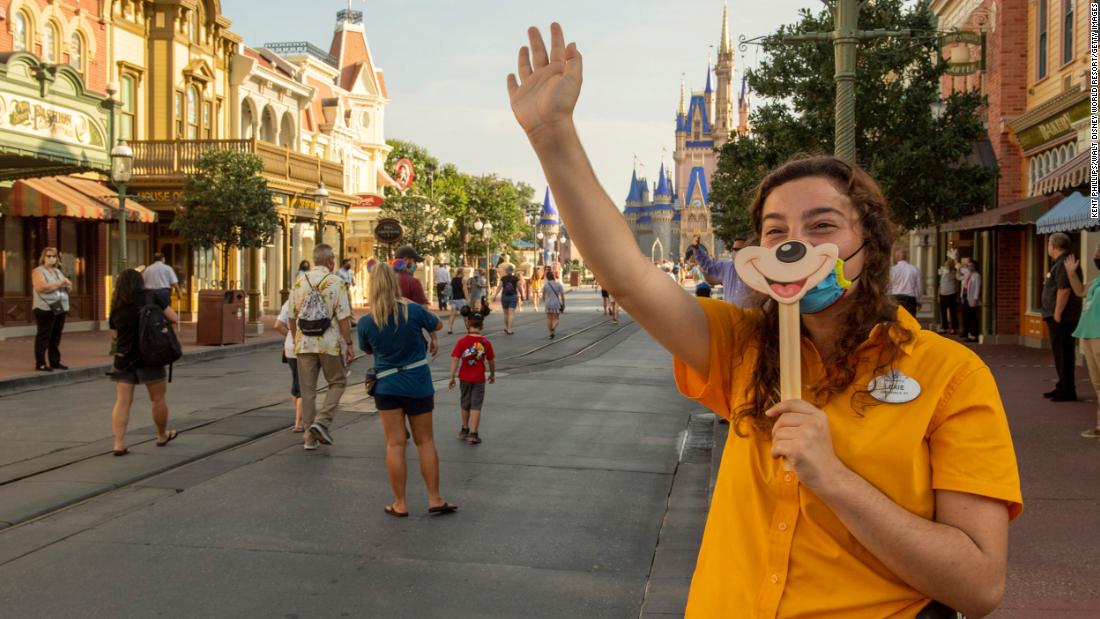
(328, 352)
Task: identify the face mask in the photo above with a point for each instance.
(965, 270)
(51, 261)
(830, 290)
(411, 268)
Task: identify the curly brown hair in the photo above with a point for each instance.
(869, 307)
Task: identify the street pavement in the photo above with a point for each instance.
(587, 498)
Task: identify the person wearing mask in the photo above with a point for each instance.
(949, 297)
(318, 315)
(50, 306)
(161, 280)
(1061, 310)
(442, 282)
(130, 296)
(411, 288)
(855, 518)
(733, 289)
(345, 274)
(393, 332)
(905, 282)
(970, 299)
(1088, 327)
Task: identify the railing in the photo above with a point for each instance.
(301, 48)
(175, 158)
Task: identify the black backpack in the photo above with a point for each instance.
(157, 343)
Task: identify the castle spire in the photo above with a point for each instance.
(725, 45)
(683, 103)
(708, 89)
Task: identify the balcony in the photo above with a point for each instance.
(169, 161)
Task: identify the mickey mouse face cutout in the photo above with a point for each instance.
(788, 271)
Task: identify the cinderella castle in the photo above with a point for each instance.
(665, 220)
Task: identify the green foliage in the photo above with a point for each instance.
(921, 162)
(421, 219)
(226, 203)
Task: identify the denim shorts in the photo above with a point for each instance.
(509, 301)
(411, 406)
(139, 376)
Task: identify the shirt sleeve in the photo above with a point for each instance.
(727, 325)
(343, 304)
(172, 276)
(489, 354)
(361, 331)
(1061, 278)
(456, 352)
(970, 443)
(292, 301)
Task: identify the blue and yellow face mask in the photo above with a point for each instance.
(830, 290)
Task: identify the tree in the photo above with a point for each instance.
(425, 223)
(920, 160)
(497, 201)
(226, 203)
(422, 161)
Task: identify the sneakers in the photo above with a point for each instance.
(1091, 433)
(463, 433)
(320, 433)
(310, 445)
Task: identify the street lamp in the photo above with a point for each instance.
(478, 225)
(486, 234)
(122, 162)
(320, 194)
(542, 246)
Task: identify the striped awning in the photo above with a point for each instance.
(1071, 214)
(1020, 213)
(68, 196)
(1074, 172)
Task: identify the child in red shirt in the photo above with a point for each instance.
(468, 358)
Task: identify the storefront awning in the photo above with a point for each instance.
(1071, 214)
(1021, 213)
(1074, 172)
(67, 196)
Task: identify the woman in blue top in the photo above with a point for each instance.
(1088, 328)
(393, 333)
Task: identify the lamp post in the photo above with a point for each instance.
(542, 246)
(122, 160)
(478, 225)
(320, 194)
(486, 235)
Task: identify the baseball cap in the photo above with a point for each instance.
(407, 251)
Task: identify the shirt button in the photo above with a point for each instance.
(775, 578)
(788, 477)
(782, 526)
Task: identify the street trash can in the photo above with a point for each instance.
(574, 278)
(221, 318)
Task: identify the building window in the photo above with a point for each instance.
(129, 108)
(1041, 47)
(207, 121)
(179, 115)
(49, 44)
(20, 31)
(76, 52)
(193, 113)
(1067, 31)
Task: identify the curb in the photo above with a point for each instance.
(43, 380)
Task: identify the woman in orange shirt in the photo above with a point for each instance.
(904, 473)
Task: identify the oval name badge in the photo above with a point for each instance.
(894, 388)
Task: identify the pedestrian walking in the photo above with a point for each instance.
(129, 369)
(442, 286)
(606, 300)
(1088, 328)
(905, 282)
(50, 306)
(733, 289)
(161, 279)
(346, 274)
(458, 298)
(468, 360)
(319, 316)
(476, 289)
(970, 299)
(554, 301)
(405, 265)
(393, 332)
(534, 284)
(889, 537)
(282, 326)
(1061, 309)
(508, 288)
(949, 297)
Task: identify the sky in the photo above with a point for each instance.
(445, 63)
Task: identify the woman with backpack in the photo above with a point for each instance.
(393, 332)
(129, 300)
(509, 291)
(553, 300)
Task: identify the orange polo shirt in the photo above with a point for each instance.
(771, 547)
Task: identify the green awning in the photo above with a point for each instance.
(1021, 213)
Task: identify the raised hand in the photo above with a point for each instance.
(1071, 263)
(548, 85)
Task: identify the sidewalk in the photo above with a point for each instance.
(88, 352)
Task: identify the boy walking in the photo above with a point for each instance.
(469, 358)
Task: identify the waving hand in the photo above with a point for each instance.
(548, 85)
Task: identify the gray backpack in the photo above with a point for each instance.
(315, 317)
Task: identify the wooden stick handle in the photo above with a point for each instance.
(790, 361)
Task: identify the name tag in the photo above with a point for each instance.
(894, 388)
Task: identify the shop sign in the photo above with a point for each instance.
(335, 210)
(388, 231)
(403, 174)
(280, 199)
(158, 196)
(367, 200)
(302, 202)
(1054, 127)
(52, 122)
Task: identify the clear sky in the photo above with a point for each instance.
(445, 63)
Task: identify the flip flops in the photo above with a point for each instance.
(120, 452)
(396, 514)
(172, 434)
(445, 508)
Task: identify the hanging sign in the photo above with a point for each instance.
(367, 200)
(403, 174)
(389, 231)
